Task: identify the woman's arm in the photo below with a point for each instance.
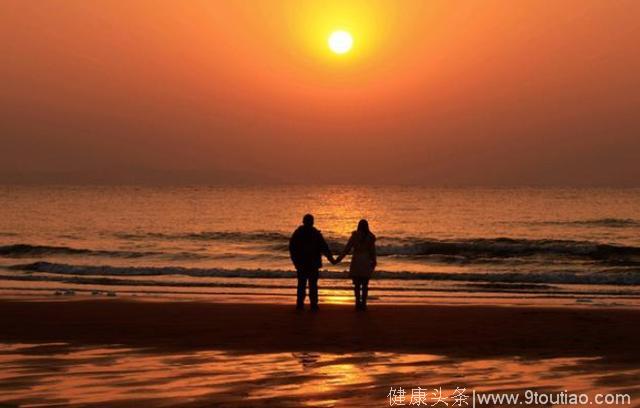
(346, 250)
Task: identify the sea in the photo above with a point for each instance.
(514, 246)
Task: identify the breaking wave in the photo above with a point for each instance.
(623, 277)
(418, 246)
(508, 247)
(464, 249)
(469, 250)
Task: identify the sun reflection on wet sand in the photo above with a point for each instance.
(337, 297)
(60, 374)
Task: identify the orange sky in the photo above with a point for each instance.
(434, 92)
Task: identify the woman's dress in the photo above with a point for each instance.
(363, 261)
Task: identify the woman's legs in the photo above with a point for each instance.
(360, 292)
(356, 291)
(365, 292)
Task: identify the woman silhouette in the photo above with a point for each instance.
(363, 261)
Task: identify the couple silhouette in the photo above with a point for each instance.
(307, 246)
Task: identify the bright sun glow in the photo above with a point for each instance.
(340, 42)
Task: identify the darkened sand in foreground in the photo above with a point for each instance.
(600, 344)
(466, 331)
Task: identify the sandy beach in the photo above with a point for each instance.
(464, 331)
(588, 348)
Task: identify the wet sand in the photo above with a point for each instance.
(125, 353)
(454, 331)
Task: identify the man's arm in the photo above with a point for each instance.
(346, 249)
(294, 249)
(326, 251)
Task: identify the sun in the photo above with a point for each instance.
(340, 42)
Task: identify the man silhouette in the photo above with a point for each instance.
(306, 247)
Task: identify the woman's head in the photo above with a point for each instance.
(363, 228)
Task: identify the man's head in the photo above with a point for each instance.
(307, 220)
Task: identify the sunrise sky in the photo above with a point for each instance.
(438, 92)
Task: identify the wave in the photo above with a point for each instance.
(598, 222)
(463, 250)
(420, 246)
(509, 247)
(624, 277)
(480, 250)
(609, 222)
(28, 250)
